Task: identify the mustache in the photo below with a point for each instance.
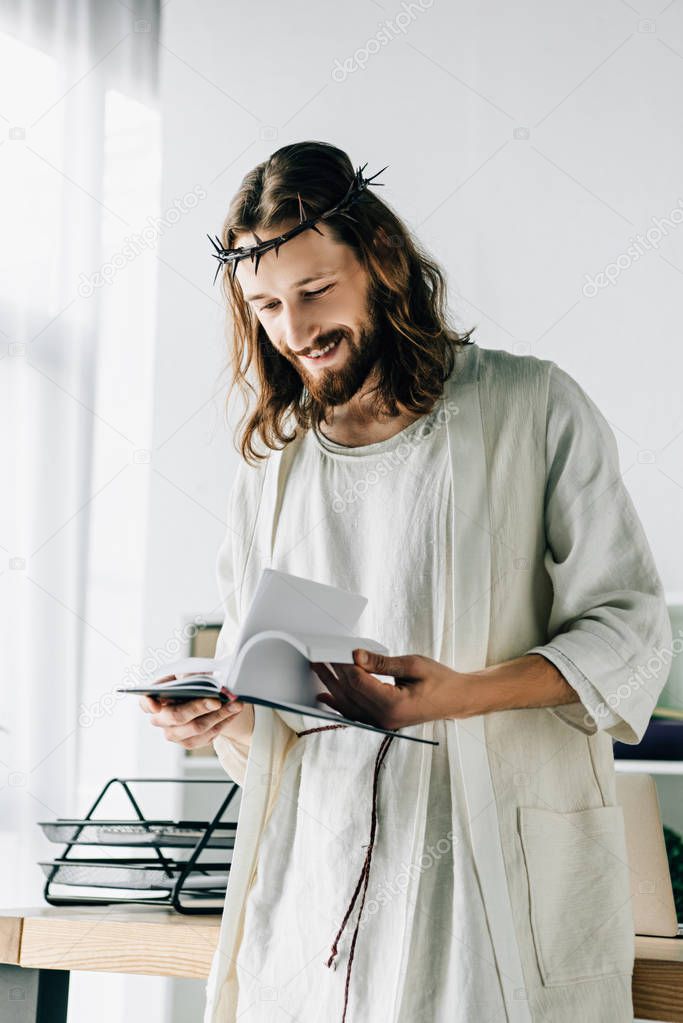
(324, 341)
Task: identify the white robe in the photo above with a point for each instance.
(377, 520)
(549, 555)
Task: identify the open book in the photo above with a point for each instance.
(291, 622)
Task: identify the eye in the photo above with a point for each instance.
(321, 291)
(307, 294)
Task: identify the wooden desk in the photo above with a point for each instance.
(38, 947)
(658, 979)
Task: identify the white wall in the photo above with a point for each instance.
(527, 144)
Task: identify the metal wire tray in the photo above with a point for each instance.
(188, 885)
(169, 834)
(126, 873)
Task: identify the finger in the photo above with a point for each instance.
(339, 693)
(224, 713)
(199, 725)
(348, 675)
(363, 697)
(353, 692)
(323, 672)
(329, 701)
(358, 683)
(408, 666)
(180, 713)
(200, 739)
(339, 685)
(149, 704)
(331, 674)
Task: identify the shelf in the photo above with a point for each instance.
(649, 766)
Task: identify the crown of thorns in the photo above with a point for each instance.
(254, 252)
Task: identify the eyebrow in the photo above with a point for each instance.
(296, 284)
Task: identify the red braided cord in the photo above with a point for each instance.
(364, 878)
(366, 869)
(323, 728)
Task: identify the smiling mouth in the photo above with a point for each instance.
(327, 353)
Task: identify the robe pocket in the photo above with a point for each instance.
(578, 878)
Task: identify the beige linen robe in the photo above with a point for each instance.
(549, 555)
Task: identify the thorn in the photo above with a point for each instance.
(234, 269)
(217, 247)
(376, 175)
(301, 209)
(258, 256)
(257, 238)
(216, 274)
(314, 228)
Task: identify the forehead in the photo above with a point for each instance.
(307, 255)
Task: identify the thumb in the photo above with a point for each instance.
(381, 664)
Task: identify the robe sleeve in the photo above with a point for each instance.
(609, 631)
(231, 754)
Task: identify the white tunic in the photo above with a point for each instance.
(547, 550)
(375, 520)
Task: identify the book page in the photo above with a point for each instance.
(295, 604)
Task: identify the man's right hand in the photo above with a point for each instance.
(197, 722)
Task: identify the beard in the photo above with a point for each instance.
(338, 385)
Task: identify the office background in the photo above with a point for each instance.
(536, 151)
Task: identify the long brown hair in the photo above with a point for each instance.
(407, 288)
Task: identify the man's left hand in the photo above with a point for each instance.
(424, 690)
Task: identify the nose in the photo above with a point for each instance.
(299, 330)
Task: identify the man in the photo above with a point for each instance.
(475, 498)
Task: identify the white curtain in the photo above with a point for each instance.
(79, 172)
